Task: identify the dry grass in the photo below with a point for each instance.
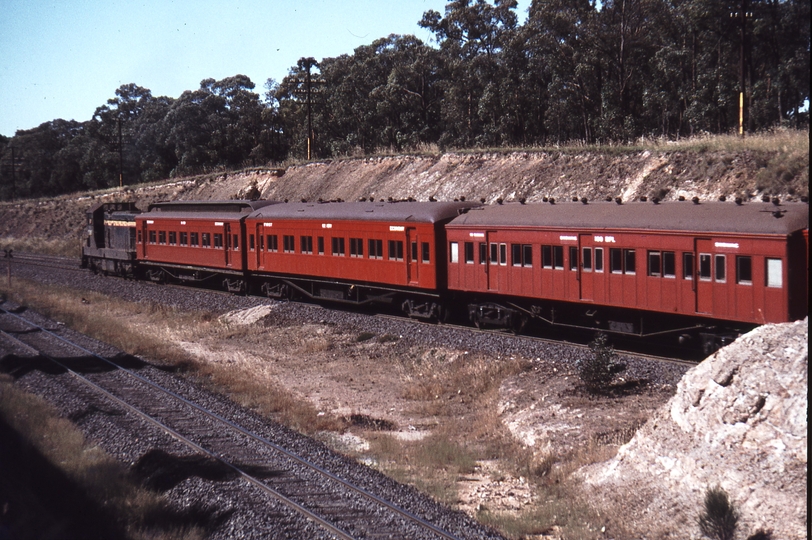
(61, 247)
(98, 496)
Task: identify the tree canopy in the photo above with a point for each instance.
(576, 70)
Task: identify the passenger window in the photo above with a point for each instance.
(654, 260)
(320, 244)
(306, 244)
(218, 240)
(744, 270)
(273, 243)
(704, 266)
(375, 249)
(173, 238)
(162, 237)
(546, 256)
(454, 250)
(338, 246)
(236, 243)
(503, 254)
(587, 261)
(396, 250)
(615, 261)
(775, 274)
(414, 251)
(669, 264)
(194, 240)
(629, 261)
(573, 258)
(469, 252)
(152, 237)
(599, 259)
(720, 268)
(356, 247)
(288, 244)
(483, 253)
(427, 252)
(494, 253)
(250, 241)
(687, 266)
(558, 257)
(205, 239)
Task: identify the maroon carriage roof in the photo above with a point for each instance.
(707, 217)
(407, 211)
(232, 209)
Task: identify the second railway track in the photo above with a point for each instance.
(340, 508)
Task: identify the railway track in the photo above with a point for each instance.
(73, 264)
(339, 507)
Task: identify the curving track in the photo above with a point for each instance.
(340, 508)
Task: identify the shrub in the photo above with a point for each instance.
(720, 518)
(597, 370)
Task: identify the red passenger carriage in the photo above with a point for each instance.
(195, 240)
(356, 252)
(638, 268)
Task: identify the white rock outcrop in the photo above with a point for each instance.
(738, 420)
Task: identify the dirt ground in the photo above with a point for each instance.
(409, 392)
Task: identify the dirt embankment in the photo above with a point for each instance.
(707, 174)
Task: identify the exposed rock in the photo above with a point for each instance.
(738, 420)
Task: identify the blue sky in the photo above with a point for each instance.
(64, 58)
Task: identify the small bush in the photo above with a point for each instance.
(720, 518)
(598, 370)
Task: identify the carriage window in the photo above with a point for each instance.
(744, 270)
(669, 264)
(469, 252)
(320, 244)
(775, 274)
(522, 254)
(184, 238)
(687, 266)
(273, 242)
(414, 251)
(654, 261)
(454, 251)
(173, 238)
(704, 266)
(218, 240)
(395, 250)
(288, 243)
(337, 246)
(494, 253)
(250, 241)
(573, 258)
(205, 239)
(152, 237)
(306, 244)
(599, 259)
(236, 243)
(615, 261)
(720, 268)
(503, 254)
(587, 255)
(546, 256)
(356, 247)
(558, 257)
(162, 237)
(629, 261)
(375, 249)
(139, 237)
(483, 253)
(194, 240)
(424, 246)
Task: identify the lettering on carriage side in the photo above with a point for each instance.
(150, 222)
(267, 224)
(477, 235)
(607, 239)
(396, 228)
(118, 223)
(731, 245)
(326, 225)
(183, 223)
(568, 238)
(218, 223)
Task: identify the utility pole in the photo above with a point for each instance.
(120, 156)
(743, 16)
(307, 64)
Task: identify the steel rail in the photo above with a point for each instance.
(361, 491)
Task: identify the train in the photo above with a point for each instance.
(695, 273)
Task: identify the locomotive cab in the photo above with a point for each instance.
(108, 243)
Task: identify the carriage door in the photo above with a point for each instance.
(586, 268)
(703, 274)
(497, 258)
(227, 243)
(411, 256)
